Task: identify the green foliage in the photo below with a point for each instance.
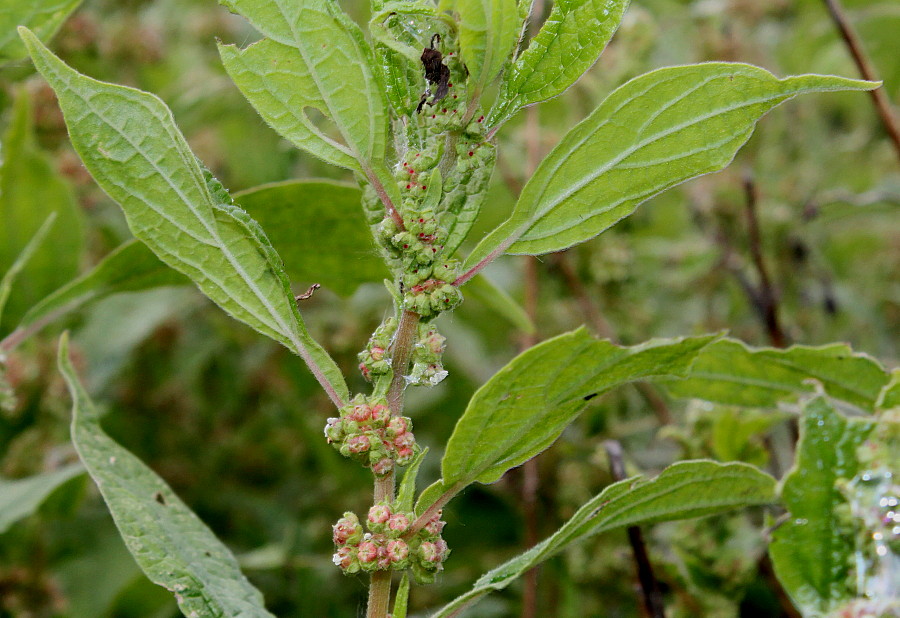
(171, 545)
(522, 410)
(21, 497)
(410, 131)
(31, 191)
(650, 134)
(332, 246)
(131, 267)
(730, 372)
(685, 489)
(131, 146)
(569, 42)
(44, 17)
(9, 277)
(812, 552)
(487, 34)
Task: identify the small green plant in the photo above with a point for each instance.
(412, 111)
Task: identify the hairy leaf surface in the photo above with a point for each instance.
(732, 373)
(685, 489)
(169, 542)
(652, 133)
(522, 409)
(315, 56)
(128, 140)
(570, 41)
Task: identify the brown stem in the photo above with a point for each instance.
(652, 596)
(879, 96)
(766, 298)
(401, 351)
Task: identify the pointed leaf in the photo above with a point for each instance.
(732, 373)
(812, 552)
(171, 545)
(407, 490)
(332, 246)
(129, 142)
(44, 17)
(31, 190)
(685, 489)
(22, 497)
(488, 30)
(655, 132)
(315, 56)
(522, 409)
(568, 44)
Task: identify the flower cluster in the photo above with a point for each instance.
(427, 369)
(368, 433)
(383, 548)
(374, 360)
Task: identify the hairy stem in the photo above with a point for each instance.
(401, 352)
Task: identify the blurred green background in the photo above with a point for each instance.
(234, 423)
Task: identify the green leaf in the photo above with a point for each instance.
(407, 490)
(570, 41)
(401, 599)
(495, 298)
(523, 408)
(171, 545)
(130, 267)
(44, 17)
(314, 57)
(128, 140)
(32, 190)
(21, 497)
(812, 552)
(685, 489)
(317, 228)
(889, 397)
(488, 30)
(732, 373)
(655, 132)
(10, 275)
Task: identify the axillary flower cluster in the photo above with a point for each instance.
(443, 166)
(385, 546)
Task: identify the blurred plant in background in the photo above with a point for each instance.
(802, 224)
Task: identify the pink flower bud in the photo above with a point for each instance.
(377, 353)
(383, 466)
(344, 557)
(360, 413)
(398, 425)
(427, 550)
(405, 440)
(397, 550)
(367, 552)
(358, 443)
(380, 414)
(435, 527)
(404, 455)
(347, 529)
(398, 523)
(379, 514)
